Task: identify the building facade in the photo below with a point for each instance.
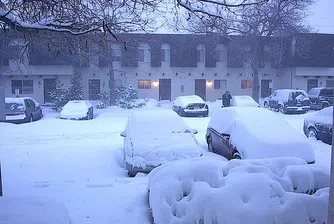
(164, 67)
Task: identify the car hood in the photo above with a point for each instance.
(154, 150)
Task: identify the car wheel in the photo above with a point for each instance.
(312, 133)
(266, 105)
(281, 109)
(131, 174)
(210, 146)
(179, 112)
(236, 155)
(324, 105)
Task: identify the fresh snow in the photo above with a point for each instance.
(80, 164)
(16, 117)
(324, 116)
(184, 101)
(259, 133)
(206, 190)
(244, 101)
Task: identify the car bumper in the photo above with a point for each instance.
(298, 109)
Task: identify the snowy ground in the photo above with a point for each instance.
(80, 164)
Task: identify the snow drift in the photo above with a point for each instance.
(208, 190)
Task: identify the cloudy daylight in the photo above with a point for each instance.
(185, 111)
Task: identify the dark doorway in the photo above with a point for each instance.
(266, 87)
(94, 89)
(164, 89)
(312, 83)
(49, 86)
(200, 88)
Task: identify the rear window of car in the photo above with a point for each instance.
(294, 95)
(14, 106)
(314, 92)
(326, 92)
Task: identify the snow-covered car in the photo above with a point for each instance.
(288, 100)
(244, 101)
(320, 97)
(153, 138)
(22, 109)
(255, 133)
(77, 110)
(192, 105)
(320, 125)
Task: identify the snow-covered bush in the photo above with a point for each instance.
(208, 190)
(75, 91)
(126, 97)
(59, 95)
(104, 100)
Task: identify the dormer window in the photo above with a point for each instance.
(144, 53)
(200, 53)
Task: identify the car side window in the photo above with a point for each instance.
(27, 103)
(32, 104)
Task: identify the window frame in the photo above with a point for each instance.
(23, 87)
(220, 85)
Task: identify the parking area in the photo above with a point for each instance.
(80, 163)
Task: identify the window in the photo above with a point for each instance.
(220, 84)
(24, 86)
(200, 53)
(144, 53)
(311, 83)
(116, 52)
(221, 54)
(165, 53)
(246, 84)
(329, 83)
(144, 84)
(118, 83)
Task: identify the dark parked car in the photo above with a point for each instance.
(288, 101)
(192, 105)
(320, 97)
(255, 133)
(320, 125)
(22, 110)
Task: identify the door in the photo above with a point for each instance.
(266, 87)
(164, 89)
(49, 86)
(312, 83)
(200, 88)
(94, 89)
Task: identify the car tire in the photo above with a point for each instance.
(266, 105)
(324, 105)
(281, 109)
(210, 146)
(312, 133)
(131, 174)
(180, 112)
(236, 155)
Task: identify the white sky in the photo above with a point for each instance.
(322, 16)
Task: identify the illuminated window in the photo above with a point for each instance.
(246, 84)
(144, 84)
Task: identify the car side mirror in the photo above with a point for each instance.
(123, 134)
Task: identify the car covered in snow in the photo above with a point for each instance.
(192, 105)
(153, 138)
(320, 97)
(255, 133)
(22, 110)
(244, 101)
(320, 125)
(77, 110)
(288, 101)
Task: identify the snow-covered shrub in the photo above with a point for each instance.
(75, 91)
(208, 190)
(59, 95)
(126, 97)
(104, 100)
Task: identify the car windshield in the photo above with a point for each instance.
(107, 111)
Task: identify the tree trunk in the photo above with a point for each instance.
(256, 84)
(330, 219)
(112, 84)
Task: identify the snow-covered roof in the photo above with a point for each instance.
(19, 100)
(184, 101)
(244, 101)
(260, 133)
